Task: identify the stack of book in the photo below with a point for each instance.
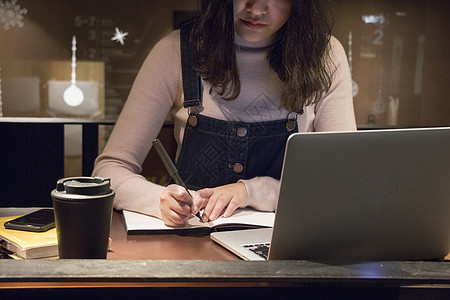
(20, 244)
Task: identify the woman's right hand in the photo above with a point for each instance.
(176, 206)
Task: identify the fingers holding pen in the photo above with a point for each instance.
(175, 205)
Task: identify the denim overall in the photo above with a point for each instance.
(216, 152)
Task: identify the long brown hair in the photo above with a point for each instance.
(299, 57)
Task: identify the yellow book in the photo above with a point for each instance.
(27, 244)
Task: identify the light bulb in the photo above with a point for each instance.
(73, 95)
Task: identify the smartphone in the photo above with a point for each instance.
(37, 221)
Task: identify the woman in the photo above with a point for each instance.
(268, 68)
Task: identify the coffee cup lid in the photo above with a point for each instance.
(89, 186)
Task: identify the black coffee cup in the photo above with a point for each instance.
(83, 211)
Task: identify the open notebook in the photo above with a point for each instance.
(371, 195)
(137, 223)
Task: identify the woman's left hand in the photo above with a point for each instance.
(227, 197)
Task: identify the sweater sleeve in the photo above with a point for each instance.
(334, 112)
(154, 92)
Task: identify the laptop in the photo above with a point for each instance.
(356, 196)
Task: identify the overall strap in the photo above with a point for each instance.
(192, 86)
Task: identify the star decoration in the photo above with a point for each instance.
(119, 36)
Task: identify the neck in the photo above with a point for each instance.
(260, 44)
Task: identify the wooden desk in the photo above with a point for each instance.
(165, 266)
(162, 247)
(165, 247)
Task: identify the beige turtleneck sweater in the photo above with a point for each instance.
(157, 92)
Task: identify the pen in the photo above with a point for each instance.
(173, 172)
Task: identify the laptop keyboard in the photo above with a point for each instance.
(261, 249)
